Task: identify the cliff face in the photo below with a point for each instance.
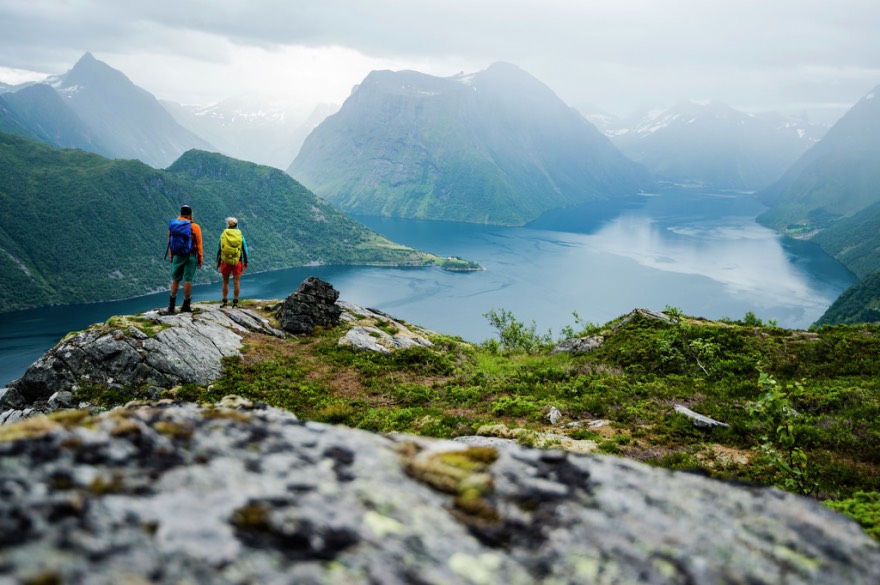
(238, 493)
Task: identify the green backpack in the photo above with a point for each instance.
(230, 246)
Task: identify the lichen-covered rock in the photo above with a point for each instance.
(174, 493)
(11, 398)
(579, 345)
(312, 304)
(149, 349)
(373, 330)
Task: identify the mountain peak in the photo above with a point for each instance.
(86, 58)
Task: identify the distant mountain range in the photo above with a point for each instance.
(97, 108)
(78, 227)
(249, 128)
(496, 146)
(711, 145)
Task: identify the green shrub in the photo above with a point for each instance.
(864, 508)
(514, 335)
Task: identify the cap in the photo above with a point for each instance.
(186, 210)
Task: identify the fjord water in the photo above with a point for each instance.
(700, 252)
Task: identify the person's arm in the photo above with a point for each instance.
(197, 236)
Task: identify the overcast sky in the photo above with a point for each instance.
(793, 56)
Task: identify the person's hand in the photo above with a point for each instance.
(245, 265)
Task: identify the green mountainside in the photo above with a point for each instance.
(855, 240)
(495, 147)
(860, 303)
(77, 227)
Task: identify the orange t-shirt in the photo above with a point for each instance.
(197, 238)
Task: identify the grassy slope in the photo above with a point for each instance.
(830, 377)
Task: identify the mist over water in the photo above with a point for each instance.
(702, 253)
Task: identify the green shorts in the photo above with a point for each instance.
(183, 268)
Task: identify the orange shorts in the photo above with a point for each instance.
(227, 269)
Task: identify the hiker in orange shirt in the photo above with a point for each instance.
(185, 246)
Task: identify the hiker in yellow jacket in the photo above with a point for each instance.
(232, 258)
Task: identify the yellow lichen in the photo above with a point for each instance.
(40, 426)
(226, 414)
(462, 473)
(253, 515)
(173, 429)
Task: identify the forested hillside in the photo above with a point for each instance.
(858, 304)
(78, 227)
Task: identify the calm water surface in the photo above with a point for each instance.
(702, 253)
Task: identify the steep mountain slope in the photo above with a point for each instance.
(77, 227)
(836, 178)
(47, 117)
(713, 145)
(9, 121)
(127, 121)
(249, 129)
(855, 240)
(497, 146)
(858, 304)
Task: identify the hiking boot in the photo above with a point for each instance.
(171, 302)
(223, 304)
(185, 307)
(234, 303)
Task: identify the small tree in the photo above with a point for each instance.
(780, 441)
(514, 335)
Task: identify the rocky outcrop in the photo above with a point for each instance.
(579, 345)
(154, 351)
(173, 493)
(312, 304)
(582, 345)
(374, 330)
(149, 349)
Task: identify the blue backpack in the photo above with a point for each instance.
(180, 240)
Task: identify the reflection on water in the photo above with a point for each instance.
(702, 254)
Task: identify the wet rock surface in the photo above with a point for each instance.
(175, 493)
